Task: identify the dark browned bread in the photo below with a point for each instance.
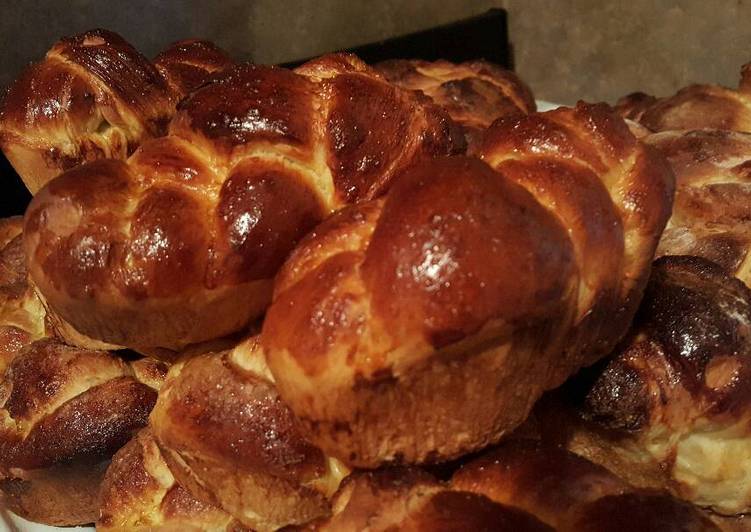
(466, 292)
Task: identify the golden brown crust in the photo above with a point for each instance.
(570, 493)
(62, 495)
(465, 293)
(671, 409)
(20, 308)
(693, 107)
(546, 481)
(475, 93)
(411, 500)
(179, 244)
(229, 439)
(63, 412)
(711, 212)
(188, 64)
(139, 493)
(700, 106)
(92, 96)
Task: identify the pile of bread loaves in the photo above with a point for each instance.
(352, 297)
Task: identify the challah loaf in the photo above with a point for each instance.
(180, 243)
(712, 211)
(671, 409)
(571, 494)
(230, 440)
(693, 107)
(474, 93)
(63, 412)
(424, 325)
(139, 493)
(94, 96)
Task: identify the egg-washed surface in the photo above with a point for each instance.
(94, 96)
(198, 222)
(462, 287)
(241, 450)
(711, 212)
(673, 405)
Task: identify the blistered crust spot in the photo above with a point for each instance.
(250, 103)
(263, 210)
(368, 129)
(167, 252)
(458, 245)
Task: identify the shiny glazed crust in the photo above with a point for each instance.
(189, 64)
(180, 243)
(475, 93)
(63, 412)
(465, 293)
(412, 500)
(672, 408)
(94, 96)
(230, 440)
(139, 493)
(712, 209)
(572, 494)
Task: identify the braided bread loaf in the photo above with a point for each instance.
(95, 96)
(230, 440)
(474, 93)
(63, 412)
(693, 107)
(712, 212)
(139, 493)
(180, 243)
(571, 494)
(672, 408)
(425, 324)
